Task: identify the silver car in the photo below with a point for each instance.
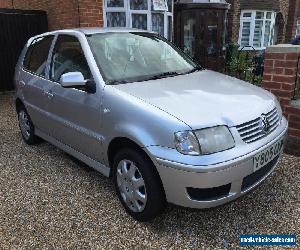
(134, 107)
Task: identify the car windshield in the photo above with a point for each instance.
(137, 56)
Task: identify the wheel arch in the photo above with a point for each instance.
(119, 143)
(19, 104)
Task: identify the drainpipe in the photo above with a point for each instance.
(78, 12)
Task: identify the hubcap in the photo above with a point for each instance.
(24, 124)
(131, 186)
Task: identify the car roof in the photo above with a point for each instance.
(89, 31)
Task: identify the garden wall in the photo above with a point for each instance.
(281, 77)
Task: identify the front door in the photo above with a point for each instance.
(213, 38)
(202, 33)
(75, 115)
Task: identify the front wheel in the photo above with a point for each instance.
(138, 185)
(26, 127)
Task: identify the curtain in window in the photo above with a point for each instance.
(139, 21)
(257, 33)
(115, 3)
(116, 19)
(158, 23)
(267, 36)
(245, 34)
(138, 4)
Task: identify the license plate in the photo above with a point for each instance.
(269, 154)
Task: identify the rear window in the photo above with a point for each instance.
(37, 54)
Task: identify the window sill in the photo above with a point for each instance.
(251, 48)
(295, 103)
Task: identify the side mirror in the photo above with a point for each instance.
(72, 80)
(76, 80)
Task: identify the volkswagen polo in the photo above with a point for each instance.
(131, 105)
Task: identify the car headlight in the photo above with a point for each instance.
(215, 139)
(204, 141)
(186, 143)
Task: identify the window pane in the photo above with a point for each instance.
(169, 2)
(257, 37)
(139, 21)
(245, 34)
(158, 23)
(269, 15)
(37, 55)
(267, 34)
(160, 3)
(247, 14)
(139, 4)
(170, 28)
(115, 3)
(212, 33)
(189, 36)
(298, 26)
(68, 57)
(259, 15)
(116, 19)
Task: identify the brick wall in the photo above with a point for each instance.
(5, 4)
(63, 13)
(280, 78)
(91, 13)
(234, 20)
(294, 12)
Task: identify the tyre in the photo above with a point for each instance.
(26, 127)
(138, 185)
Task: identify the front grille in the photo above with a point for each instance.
(255, 177)
(206, 194)
(251, 131)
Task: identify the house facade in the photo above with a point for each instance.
(154, 15)
(260, 23)
(257, 23)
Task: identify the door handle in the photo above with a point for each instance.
(22, 84)
(49, 94)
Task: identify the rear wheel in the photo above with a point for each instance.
(138, 185)
(26, 127)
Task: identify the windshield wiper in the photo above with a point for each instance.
(164, 75)
(193, 70)
(116, 82)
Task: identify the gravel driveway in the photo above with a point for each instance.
(50, 200)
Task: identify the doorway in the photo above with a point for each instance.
(200, 32)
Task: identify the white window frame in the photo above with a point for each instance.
(113, 9)
(298, 26)
(252, 20)
(148, 12)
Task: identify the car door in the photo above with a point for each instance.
(34, 82)
(75, 114)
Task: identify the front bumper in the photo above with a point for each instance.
(210, 186)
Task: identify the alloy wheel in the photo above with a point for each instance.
(131, 185)
(24, 124)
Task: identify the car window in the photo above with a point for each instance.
(37, 55)
(68, 57)
(136, 56)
